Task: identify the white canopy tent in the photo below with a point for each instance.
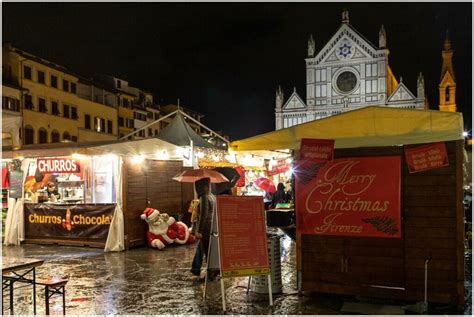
(148, 148)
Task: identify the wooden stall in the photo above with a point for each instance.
(431, 208)
(432, 229)
(103, 197)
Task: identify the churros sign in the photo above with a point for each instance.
(58, 165)
(349, 197)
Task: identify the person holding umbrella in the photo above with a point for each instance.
(203, 231)
(202, 179)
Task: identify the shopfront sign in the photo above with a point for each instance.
(242, 236)
(349, 197)
(317, 149)
(51, 221)
(280, 166)
(58, 165)
(426, 157)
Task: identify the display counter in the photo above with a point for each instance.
(68, 224)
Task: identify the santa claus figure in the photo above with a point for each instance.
(164, 230)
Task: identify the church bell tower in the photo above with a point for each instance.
(447, 84)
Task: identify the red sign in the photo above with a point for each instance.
(349, 197)
(58, 165)
(281, 166)
(316, 149)
(426, 157)
(242, 236)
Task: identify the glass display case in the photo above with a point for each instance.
(71, 191)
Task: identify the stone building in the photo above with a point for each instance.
(348, 73)
(447, 82)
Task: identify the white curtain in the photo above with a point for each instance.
(116, 238)
(14, 225)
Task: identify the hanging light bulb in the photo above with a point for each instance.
(137, 159)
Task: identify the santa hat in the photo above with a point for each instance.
(150, 214)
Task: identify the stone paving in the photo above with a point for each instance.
(148, 281)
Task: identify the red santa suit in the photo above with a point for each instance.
(164, 230)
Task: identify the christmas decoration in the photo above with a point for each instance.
(164, 230)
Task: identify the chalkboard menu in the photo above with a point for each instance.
(242, 236)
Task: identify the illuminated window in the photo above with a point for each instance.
(99, 124)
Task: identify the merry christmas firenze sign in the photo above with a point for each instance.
(349, 197)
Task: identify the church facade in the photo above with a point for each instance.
(348, 73)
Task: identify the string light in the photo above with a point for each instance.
(137, 159)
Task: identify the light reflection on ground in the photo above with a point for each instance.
(147, 281)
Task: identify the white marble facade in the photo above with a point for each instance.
(348, 73)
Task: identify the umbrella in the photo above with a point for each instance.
(265, 184)
(231, 174)
(190, 176)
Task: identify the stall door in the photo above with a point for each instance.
(374, 265)
(350, 265)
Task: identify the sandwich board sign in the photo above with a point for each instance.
(242, 239)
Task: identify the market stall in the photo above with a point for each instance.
(92, 194)
(422, 234)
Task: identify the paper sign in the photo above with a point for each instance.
(317, 149)
(349, 197)
(426, 157)
(281, 166)
(242, 236)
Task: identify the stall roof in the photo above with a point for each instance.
(179, 132)
(147, 147)
(366, 127)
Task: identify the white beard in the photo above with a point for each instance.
(158, 228)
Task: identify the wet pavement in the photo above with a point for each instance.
(148, 281)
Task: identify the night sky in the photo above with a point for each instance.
(226, 60)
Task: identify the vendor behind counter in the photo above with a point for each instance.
(70, 180)
(53, 194)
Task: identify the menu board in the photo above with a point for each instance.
(242, 236)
